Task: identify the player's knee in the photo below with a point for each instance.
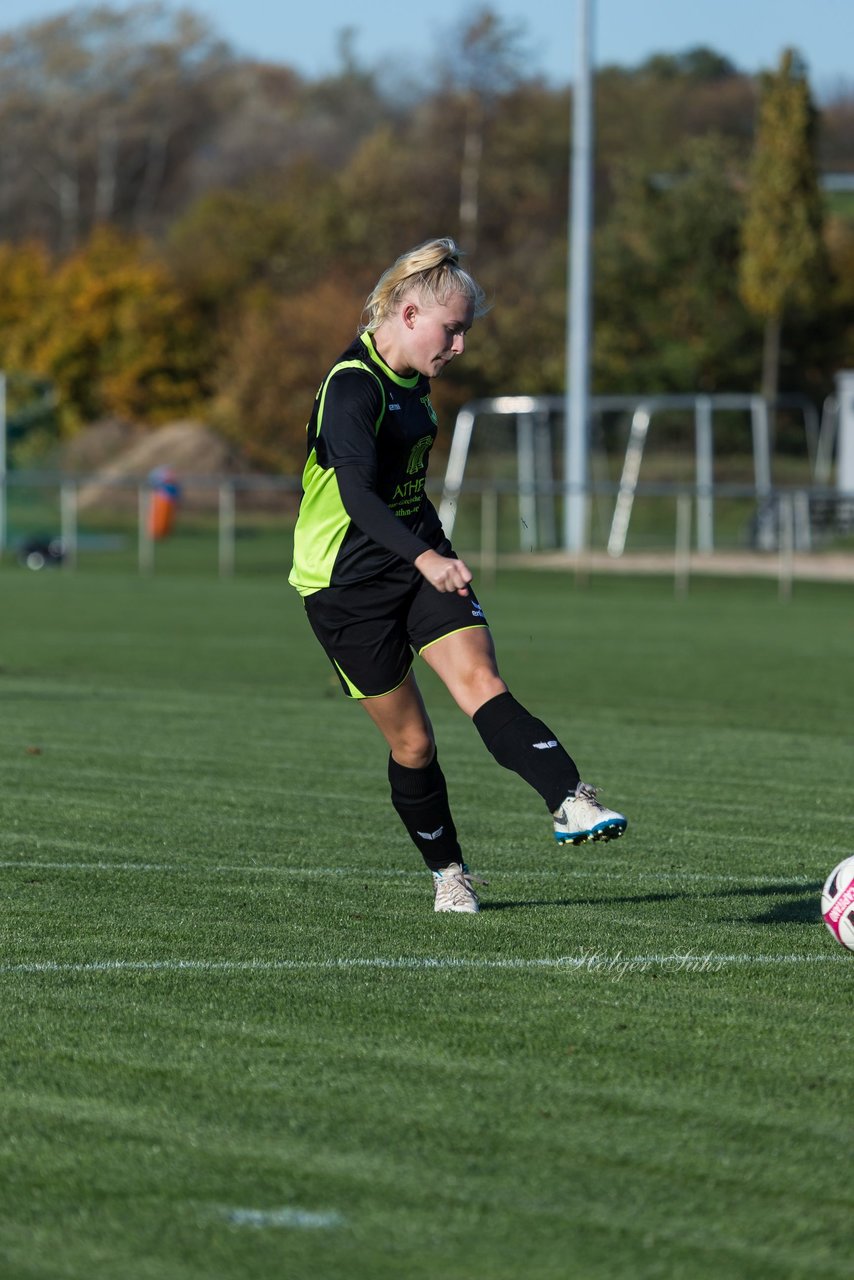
(484, 683)
(414, 750)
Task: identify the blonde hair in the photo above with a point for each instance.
(433, 270)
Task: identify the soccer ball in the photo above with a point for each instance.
(837, 903)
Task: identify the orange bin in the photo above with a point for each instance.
(161, 514)
(163, 502)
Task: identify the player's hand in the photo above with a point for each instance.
(443, 573)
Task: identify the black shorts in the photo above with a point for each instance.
(370, 629)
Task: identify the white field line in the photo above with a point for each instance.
(581, 873)
(305, 1219)
(617, 964)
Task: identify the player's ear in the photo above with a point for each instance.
(408, 314)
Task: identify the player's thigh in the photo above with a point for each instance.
(363, 630)
(465, 663)
(402, 719)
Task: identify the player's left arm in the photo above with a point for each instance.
(364, 506)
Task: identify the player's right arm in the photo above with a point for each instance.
(443, 573)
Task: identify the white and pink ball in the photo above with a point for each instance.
(837, 903)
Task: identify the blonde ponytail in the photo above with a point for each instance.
(433, 271)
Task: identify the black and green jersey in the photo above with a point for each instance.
(370, 431)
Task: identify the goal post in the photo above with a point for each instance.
(537, 439)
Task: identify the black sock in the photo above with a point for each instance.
(523, 744)
(420, 797)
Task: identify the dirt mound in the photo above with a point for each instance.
(115, 458)
(95, 446)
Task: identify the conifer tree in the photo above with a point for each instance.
(783, 264)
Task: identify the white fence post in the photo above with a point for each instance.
(146, 541)
(226, 529)
(489, 534)
(786, 537)
(682, 567)
(68, 523)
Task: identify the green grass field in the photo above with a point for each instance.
(236, 1040)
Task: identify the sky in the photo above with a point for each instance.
(407, 38)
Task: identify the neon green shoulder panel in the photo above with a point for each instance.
(322, 523)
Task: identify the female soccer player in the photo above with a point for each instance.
(379, 578)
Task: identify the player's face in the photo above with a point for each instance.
(436, 332)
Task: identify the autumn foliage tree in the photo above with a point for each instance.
(268, 376)
(783, 264)
(107, 327)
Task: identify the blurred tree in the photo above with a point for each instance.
(699, 63)
(668, 315)
(783, 263)
(481, 60)
(525, 184)
(380, 197)
(100, 110)
(836, 137)
(256, 128)
(231, 240)
(114, 336)
(840, 238)
(25, 273)
(268, 377)
(236, 256)
(274, 121)
(646, 114)
(25, 282)
(341, 110)
(521, 259)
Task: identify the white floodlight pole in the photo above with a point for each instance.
(577, 391)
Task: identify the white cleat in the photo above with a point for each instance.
(581, 818)
(453, 889)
